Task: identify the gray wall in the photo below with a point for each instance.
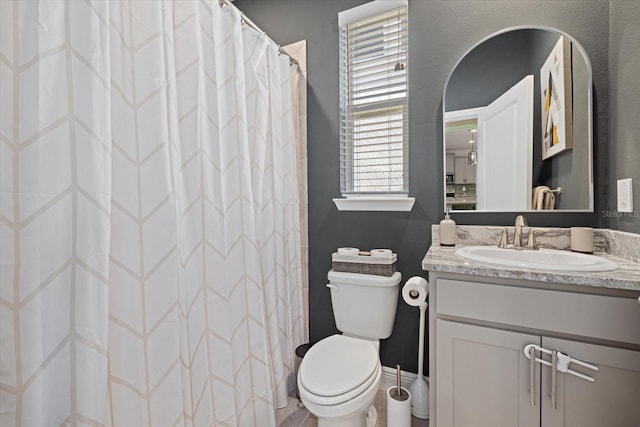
(624, 62)
(440, 33)
(570, 169)
(492, 68)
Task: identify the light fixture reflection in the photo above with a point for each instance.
(472, 157)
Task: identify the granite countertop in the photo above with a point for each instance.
(626, 276)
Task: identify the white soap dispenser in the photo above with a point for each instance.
(447, 231)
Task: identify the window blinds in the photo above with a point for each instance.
(373, 104)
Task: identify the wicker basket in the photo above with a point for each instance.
(363, 263)
(361, 268)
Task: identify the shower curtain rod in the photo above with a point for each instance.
(253, 25)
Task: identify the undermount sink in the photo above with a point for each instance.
(541, 259)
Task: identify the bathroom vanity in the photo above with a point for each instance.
(482, 318)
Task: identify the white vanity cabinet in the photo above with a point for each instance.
(479, 373)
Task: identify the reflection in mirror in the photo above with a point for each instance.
(517, 125)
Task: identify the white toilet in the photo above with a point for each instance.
(340, 375)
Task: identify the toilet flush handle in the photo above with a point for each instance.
(333, 287)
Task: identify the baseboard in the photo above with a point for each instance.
(389, 378)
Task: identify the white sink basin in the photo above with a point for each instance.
(542, 259)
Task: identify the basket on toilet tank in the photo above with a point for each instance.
(380, 262)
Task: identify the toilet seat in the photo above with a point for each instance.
(338, 369)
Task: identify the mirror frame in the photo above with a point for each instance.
(589, 119)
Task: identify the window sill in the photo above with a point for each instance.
(373, 203)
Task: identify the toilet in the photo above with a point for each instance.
(340, 375)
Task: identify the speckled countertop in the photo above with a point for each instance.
(626, 276)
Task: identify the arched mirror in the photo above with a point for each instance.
(518, 125)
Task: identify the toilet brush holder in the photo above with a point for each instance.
(398, 405)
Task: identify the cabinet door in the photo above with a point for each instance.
(471, 173)
(460, 175)
(450, 163)
(482, 377)
(464, 172)
(612, 400)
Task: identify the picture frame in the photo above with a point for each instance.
(556, 100)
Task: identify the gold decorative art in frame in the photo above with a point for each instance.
(556, 100)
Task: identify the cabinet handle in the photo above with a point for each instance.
(504, 237)
(531, 240)
(532, 376)
(554, 379)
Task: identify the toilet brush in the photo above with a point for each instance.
(399, 393)
(419, 388)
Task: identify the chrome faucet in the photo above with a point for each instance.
(517, 236)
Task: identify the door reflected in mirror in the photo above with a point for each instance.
(517, 125)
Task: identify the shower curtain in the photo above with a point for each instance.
(149, 226)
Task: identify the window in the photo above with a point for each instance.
(374, 99)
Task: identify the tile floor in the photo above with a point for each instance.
(292, 416)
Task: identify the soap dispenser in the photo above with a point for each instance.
(447, 231)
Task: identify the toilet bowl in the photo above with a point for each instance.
(339, 379)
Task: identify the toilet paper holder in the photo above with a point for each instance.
(415, 292)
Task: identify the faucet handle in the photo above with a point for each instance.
(504, 237)
(531, 242)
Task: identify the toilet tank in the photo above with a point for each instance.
(364, 305)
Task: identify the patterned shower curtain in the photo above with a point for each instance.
(149, 227)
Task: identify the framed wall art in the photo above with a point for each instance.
(556, 96)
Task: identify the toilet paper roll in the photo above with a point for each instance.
(381, 253)
(415, 291)
(349, 251)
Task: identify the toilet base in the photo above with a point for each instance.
(368, 418)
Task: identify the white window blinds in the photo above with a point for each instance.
(374, 101)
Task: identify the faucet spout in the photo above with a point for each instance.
(517, 237)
